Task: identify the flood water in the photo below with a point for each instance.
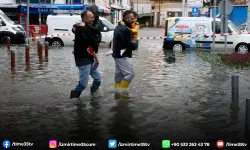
(188, 100)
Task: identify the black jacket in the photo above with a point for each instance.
(123, 40)
(97, 24)
(96, 29)
(83, 39)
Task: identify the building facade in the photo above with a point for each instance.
(144, 9)
(110, 9)
(171, 8)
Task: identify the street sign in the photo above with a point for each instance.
(225, 10)
(195, 3)
(195, 11)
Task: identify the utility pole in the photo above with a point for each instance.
(159, 13)
(183, 11)
(40, 23)
(27, 21)
(159, 6)
(214, 14)
(137, 8)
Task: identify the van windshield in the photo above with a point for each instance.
(108, 24)
(171, 25)
(234, 27)
(6, 17)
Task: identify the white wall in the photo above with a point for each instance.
(126, 4)
(143, 8)
(104, 3)
(60, 2)
(7, 1)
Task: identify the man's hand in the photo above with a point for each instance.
(82, 24)
(97, 62)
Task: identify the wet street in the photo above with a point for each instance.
(188, 100)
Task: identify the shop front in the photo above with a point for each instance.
(44, 10)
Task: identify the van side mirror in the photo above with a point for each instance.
(105, 29)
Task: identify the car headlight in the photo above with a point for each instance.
(16, 29)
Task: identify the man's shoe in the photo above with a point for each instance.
(93, 90)
(95, 87)
(124, 84)
(74, 94)
(116, 85)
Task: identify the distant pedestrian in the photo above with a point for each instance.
(83, 59)
(122, 51)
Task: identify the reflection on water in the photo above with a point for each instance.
(185, 99)
(121, 125)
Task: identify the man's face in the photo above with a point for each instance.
(130, 18)
(135, 19)
(89, 19)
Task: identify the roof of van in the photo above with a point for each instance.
(196, 18)
(68, 16)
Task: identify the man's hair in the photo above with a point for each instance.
(84, 14)
(93, 8)
(135, 13)
(126, 13)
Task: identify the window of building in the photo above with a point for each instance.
(174, 14)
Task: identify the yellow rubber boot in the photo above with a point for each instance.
(124, 84)
(117, 85)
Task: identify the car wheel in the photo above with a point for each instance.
(56, 42)
(178, 47)
(242, 48)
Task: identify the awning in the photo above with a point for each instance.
(52, 9)
(8, 6)
(145, 15)
(117, 7)
(103, 9)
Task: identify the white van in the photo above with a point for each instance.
(9, 29)
(197, 32)
(62, 24)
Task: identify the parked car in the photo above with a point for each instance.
(9, 29)
(62, 24)
(197, 32)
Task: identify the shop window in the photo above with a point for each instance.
(174, 14)
(190, 14)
